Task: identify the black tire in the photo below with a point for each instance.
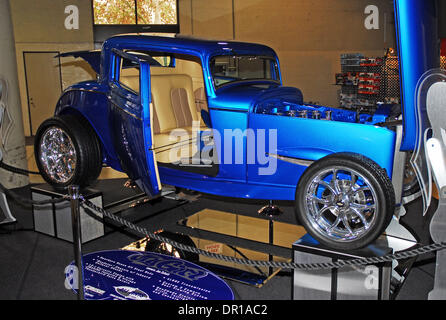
(88, 158)
(339, 205)
(160, 247)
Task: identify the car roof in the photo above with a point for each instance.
(187, 44)
(179, 44)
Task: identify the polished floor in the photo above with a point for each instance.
(32, 264)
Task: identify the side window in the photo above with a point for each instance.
(164, 61)
(126, 72)
(129, 75)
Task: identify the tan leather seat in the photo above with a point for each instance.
(201, 102)
(175, 115)
(200, 99)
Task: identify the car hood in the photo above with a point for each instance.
(244, 97)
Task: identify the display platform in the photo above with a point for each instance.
(55, 219)
(379, 281)
(231, 235)
(133, 275)
(124, 201)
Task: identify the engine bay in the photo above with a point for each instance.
(384, 114)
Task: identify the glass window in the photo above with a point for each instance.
(226, 69)
(129, 70)
(135, 12)
(156, 59)
(129, 75)
(114, 12)
(156, 11)
(164, 61)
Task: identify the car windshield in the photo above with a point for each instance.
(228, 69)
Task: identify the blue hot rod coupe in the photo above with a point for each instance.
(214, 117)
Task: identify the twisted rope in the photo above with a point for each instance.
(261, 263)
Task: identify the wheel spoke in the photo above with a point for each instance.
(361, 217)
(321, 210)
(363, 207)
(354, 179)
(318, 200)
(336, 223)
(347, 224)
(334, 181)
(364, 188)
(328, 186)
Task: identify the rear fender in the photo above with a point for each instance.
(108, 153)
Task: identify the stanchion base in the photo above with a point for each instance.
(55, 220)
(372, 282)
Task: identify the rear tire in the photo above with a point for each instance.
(345, 201)
(67, 152)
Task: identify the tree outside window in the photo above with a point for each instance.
(135, 12)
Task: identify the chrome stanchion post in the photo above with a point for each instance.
(73, 192)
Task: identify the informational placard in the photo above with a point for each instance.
(136, 275)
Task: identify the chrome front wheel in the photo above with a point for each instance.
(341, 204)
(345, 201)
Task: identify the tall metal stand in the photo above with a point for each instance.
(73, 191)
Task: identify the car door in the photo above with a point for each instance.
(131, 119)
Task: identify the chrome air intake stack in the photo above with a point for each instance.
(302, 113)
(328, 114)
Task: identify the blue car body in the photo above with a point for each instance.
(122, 121)
(119, 124)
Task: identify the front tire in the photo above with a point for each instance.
(345, 201)
(67, 152)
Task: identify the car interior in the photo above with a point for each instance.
(179, 105)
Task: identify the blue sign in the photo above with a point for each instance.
(136, 275)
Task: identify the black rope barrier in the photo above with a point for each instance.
(16, 170)
(261, 263)
(19, 199)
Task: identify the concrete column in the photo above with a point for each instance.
(12, 138)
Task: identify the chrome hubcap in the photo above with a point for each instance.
(57, 155)
(341, 204)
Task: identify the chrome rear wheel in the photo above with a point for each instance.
(67, 151)
(57, 155)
